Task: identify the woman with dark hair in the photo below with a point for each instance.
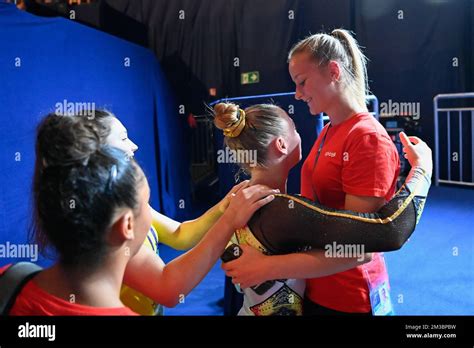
(180, 236)
(91, 207)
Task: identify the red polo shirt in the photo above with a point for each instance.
(358, 158)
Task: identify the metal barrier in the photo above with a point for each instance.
(458, 155)
(203, 162)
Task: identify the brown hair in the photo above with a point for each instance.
(79, 183)
(340, 46)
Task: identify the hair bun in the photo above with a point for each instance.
(66, 140)
(230, 118)
(225, 115)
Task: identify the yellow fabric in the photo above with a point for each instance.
(292, 302)
(245, 236)
(134, 300)
(284, 301)
(235, 130)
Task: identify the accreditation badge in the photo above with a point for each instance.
(379, 289)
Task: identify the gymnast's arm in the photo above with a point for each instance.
(311, 264)
(168, 284)
(302, 224)
(185, 235)
(254, 268)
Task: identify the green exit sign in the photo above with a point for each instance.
(249, 77)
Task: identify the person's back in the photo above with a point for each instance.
(34, 301)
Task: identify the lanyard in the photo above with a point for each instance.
(321, 144)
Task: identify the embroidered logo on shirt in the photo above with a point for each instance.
(329, 154)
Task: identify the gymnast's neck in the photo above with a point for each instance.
(274, 177)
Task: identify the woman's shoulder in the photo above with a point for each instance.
(365, 126)
(33, 300)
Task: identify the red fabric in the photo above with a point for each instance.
(359, 158)
(33, 300)
(192, 121)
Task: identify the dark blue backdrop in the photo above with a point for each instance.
(44, 61)
(410, 45)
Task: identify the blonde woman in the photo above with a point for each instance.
(271, 288)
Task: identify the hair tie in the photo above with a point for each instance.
(236, 128)
(113, 172)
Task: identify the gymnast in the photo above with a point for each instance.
(294, 224)
(164, 230)
(115, 134)
(353, 165)
(91, 207)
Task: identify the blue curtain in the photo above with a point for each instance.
(45, 62)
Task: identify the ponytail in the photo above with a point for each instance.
(358, 62)
(340, 46)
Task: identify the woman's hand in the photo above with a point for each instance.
(245, 202)
(224, 203)
(249, 269)
(417, 152)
